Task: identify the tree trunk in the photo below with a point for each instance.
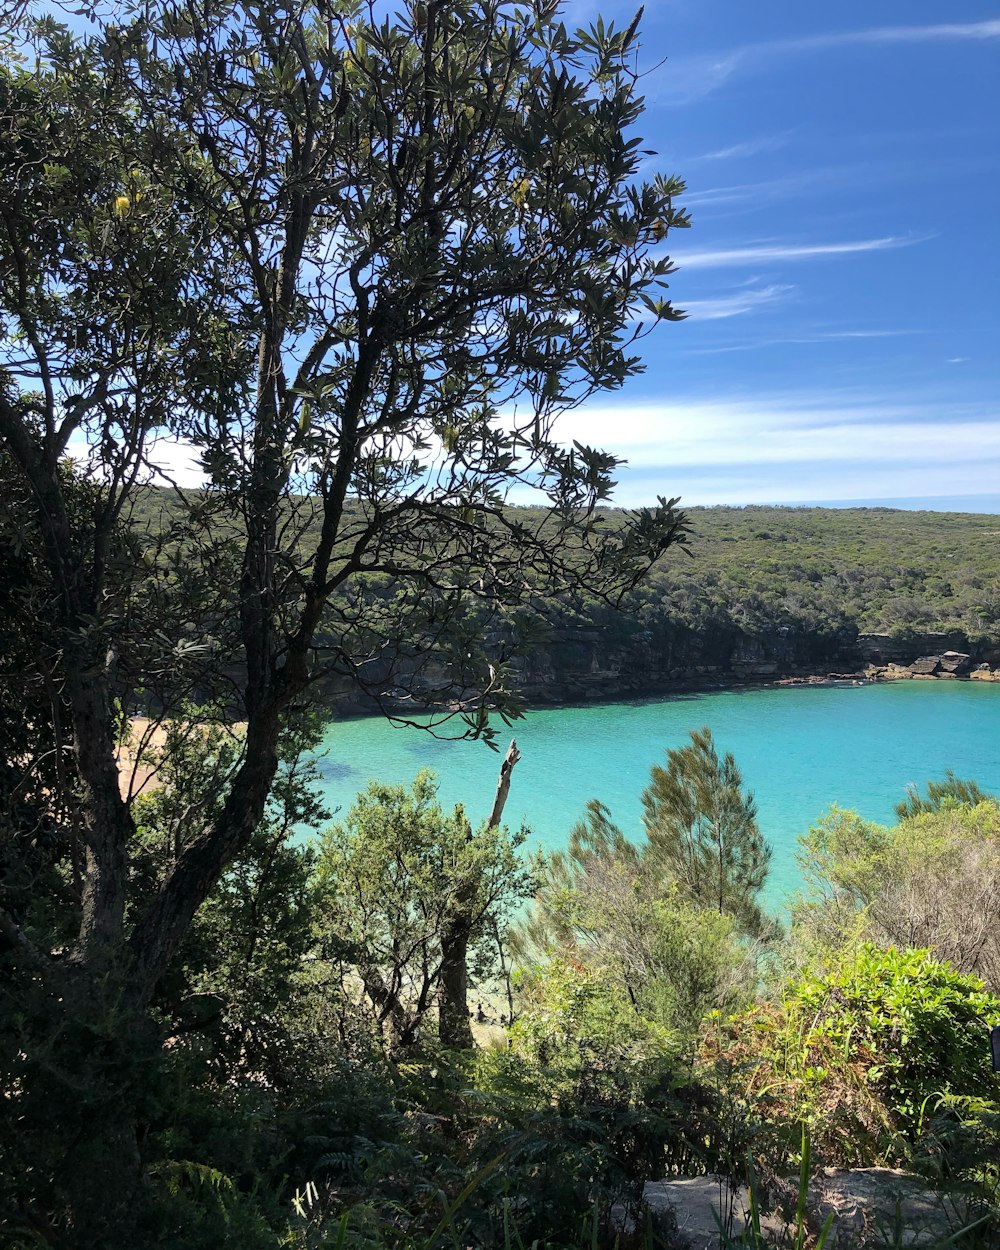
(104, 1183)
(503, 784)
(94, 1052)
(453, 1021)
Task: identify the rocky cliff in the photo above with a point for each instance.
(595, 662)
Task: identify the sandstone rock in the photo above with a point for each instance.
(880, 1204)
(692, 1207)
(872, 1208)
(888, 672)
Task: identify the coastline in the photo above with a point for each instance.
(140, 754)
(679, 689)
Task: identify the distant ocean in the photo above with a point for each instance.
(800, 750)
(915, 503)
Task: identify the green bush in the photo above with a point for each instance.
(864, 1053)
(932, 880)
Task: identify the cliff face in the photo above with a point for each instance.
(598, 662)
(586, 664)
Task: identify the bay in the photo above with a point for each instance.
(800, 749)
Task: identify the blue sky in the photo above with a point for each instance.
(843, 268)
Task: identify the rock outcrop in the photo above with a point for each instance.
(615, 658)
(867, 1208)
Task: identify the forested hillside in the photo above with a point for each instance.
(879, 570)
(754, 593)
(766, 591)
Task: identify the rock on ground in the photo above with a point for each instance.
(872, 1207)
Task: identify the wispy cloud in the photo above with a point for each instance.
(989, 29)
(749, 147)
(737, 303)
(687, 80)
(796, 446)
(808, 339)
(804, 182)
(756, 253)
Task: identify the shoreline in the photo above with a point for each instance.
(150, 732)
(871, 676)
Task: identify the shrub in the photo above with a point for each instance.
(932, 880)
(863, 1053)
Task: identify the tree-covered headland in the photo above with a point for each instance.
(754, 594)
(357, 265)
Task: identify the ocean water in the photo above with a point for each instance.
(800, 749)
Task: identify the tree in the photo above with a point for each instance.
(237, 980)
(359, 267)
(460, 930)
(391, 877)
(702, 830)
(608, 905)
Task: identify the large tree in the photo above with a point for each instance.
(357, 267)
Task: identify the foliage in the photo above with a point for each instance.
(961, 1146)
(702, 830)
(329, 253)
(806, 578)
(673, 921)
(390, 878)
(238, 983)
(702, 964)
(862, 1052)
(952, 790)
(574, 1021)
(932, 880)
(611, 1080)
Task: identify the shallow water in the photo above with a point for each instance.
(800, 749)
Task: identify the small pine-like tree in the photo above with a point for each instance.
(702, 830)
(953, 789)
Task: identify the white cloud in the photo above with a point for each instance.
(794, 447)
(755, 253)
(778, 430)
(169, 460)
(734, 305)
(685, 81)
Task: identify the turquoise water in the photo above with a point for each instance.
(800, 749)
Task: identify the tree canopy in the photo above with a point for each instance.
(353, 267)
